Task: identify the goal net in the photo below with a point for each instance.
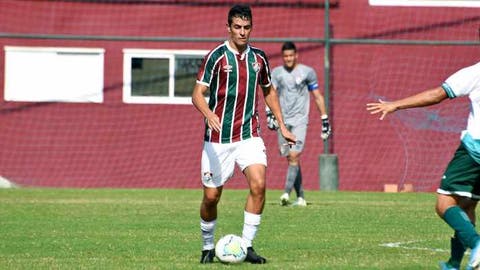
(96, 93)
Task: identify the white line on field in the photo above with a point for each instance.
(403, 246)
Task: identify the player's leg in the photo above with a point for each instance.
(466, 236)
(294, 169)
(255, 175)
(213, 177)
(469, 206)
(208, 222)
(453, 205)
(294, 176)
(284, 149)
(251, 158)
(299, 188)
(292, 172)
(457, 249)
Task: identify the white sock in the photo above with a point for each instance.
(250, 227)
(208, 231)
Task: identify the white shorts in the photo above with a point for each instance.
(218, 160)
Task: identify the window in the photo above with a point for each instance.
(52, 74)
(160, 76)
(426, 3)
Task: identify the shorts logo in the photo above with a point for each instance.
(256, 66)
(227, 68)
(207, 177)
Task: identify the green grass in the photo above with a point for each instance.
(159, 229)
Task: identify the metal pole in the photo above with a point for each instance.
(326, 64)
(328, 163)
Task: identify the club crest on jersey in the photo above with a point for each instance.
(227, 68)
(299, 79)
(256, 66)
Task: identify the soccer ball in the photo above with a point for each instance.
(231, 249)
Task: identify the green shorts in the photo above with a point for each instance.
(462, 176)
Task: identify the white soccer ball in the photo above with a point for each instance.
(231, 249)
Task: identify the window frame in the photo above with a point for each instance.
(129, 54)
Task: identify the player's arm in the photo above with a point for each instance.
(271, 100)
(422, 99)
(320, 102)
(200, 103)
(272, 123)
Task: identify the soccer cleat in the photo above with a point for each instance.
(446, 266)
(253, 257)
(207, 256)
(300, 202)
(284, 199)
(474, 262)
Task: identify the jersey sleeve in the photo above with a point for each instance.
(265, 76)
(463, 82)
(312, 82)
(206, 70)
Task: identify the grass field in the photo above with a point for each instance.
(159, 229)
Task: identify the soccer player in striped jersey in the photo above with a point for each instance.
(459, 189)
(294, 83)
(233, 72)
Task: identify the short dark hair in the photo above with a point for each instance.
(240, 11)
(289, 46)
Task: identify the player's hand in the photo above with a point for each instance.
(382, 107)
(213, 122)
(289, 137)
(326, 128)
(272, 123)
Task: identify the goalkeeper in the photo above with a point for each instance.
(294, 83)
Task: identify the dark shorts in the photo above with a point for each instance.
(462, 176)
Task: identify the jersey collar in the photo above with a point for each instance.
(245, 52)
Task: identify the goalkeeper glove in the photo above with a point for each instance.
(272, 123)
(326, 128)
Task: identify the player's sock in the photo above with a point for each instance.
(298, 184)
(456, 252)
(291, 177)
(459, 221)
(208, 231)
(250, 227)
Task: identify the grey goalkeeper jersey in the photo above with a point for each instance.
(293, 92)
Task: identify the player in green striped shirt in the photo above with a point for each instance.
(233, 71)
